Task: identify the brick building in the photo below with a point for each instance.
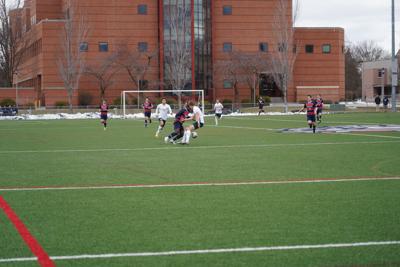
(216, 28)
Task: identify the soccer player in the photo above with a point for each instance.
(180, 118)
(162, 112)
(147, 106)
(311, 107)
(104, 113)
(218, 107)
(320, 106)
(198, 117)
(261, 104)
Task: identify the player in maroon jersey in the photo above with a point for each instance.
(104, 113)
(180, 118)
(311, 107)
(320, 106)
(147, 106)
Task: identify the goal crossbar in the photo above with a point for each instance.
(138, 92)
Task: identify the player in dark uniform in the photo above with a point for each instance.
(104, 114)
(320, 106)
(147, 106)
(311, 107)
(180, 117)
(261, 104)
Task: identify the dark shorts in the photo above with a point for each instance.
(178, 126)
(261, 107)
(147, 114)
(311, 118)
(218, 115)
(104, 117)
(196, 125)
(319, 111)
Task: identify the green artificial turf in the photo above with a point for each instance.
(246, 149)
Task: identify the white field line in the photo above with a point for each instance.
(170, 147)
(370, 135)
(287, 120)
(209, 251)
(138, 186)
(245, 128)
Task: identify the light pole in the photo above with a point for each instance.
(383, 83)
(394, 62)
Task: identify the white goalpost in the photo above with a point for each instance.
(139, 95)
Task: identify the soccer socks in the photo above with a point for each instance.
(159, 130)
(145, 123)
(313, 128)
(186, 137)
(216, 121)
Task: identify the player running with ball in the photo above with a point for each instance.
(311, 107)
(180, 118)
(162, 112)
(198, 117)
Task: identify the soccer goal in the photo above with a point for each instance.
(132, 100)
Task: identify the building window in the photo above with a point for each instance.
(227, 47)
(142, 47)
(381, 73)
(142, 9)
(103, 47)
(263, 47)
(326, 49)
(282, 47)
(228, 84)
(227, 10)
(309, 49)
(143, 84)
(83, 47)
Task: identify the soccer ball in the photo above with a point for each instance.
(194, 135)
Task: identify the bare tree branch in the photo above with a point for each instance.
(177, 49)
(283, 60)
(71, 61)
(104, 73)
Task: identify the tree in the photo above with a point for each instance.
(352, 75)
(12, 44)
(71, 61)
(104, 73)
(136, 63)
(251, 66)
(178, 51)
(368, 51)
(283, 33)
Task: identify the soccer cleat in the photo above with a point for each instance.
(166, 139)
(105, 128)
(156, 136)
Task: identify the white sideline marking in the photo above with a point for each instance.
(371, 135)
(243, 127)
(61, 188)
(303, 121)
(208, 251)
(170, 147)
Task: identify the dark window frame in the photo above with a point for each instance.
(103, 47)
(83, 47)
(309, 48)
(228, 84)
(263, 47)
(143, 46)
(325, 46)
(227, 47)
(142, 9)
(227, 10)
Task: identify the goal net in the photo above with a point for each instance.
(132, 100)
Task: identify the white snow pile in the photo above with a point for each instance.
(96, 115)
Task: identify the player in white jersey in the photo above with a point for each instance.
(218, 107)
(198, 117)
(162, 112)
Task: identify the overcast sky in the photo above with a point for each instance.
(361, 19)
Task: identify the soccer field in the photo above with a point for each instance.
(241, 194)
